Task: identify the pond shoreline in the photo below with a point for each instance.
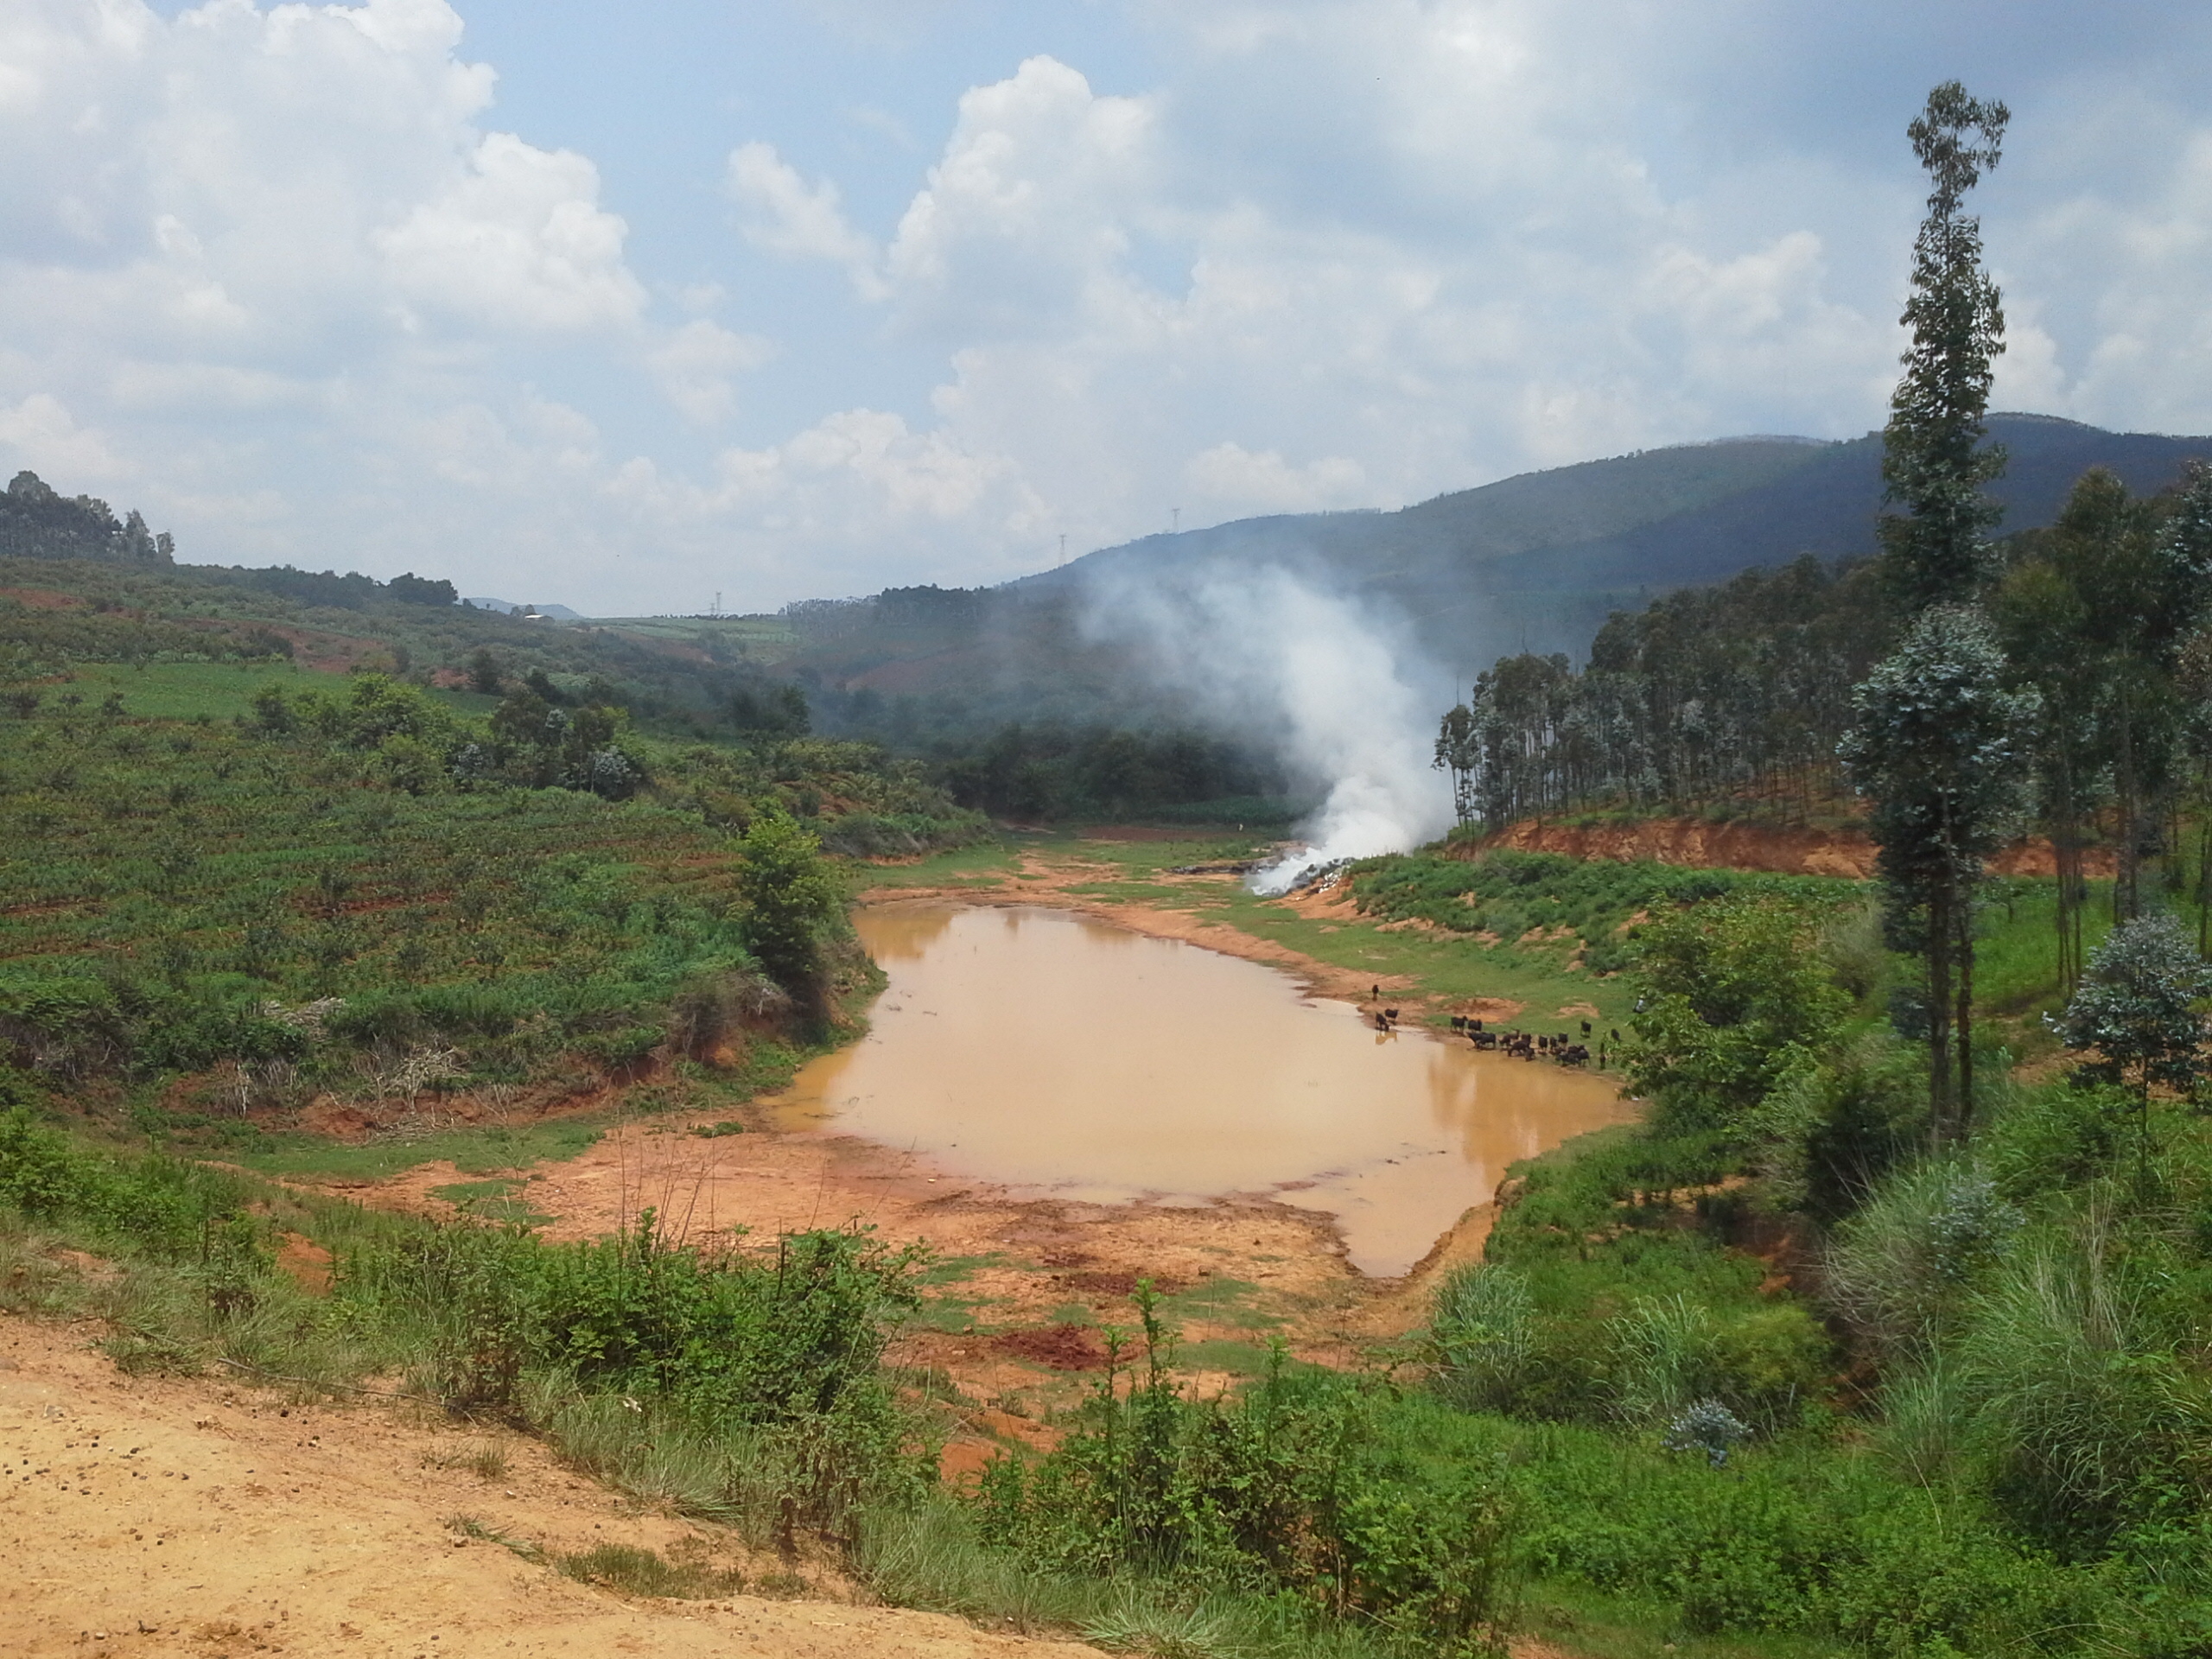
(1048, 887)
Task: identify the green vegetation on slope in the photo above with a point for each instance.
(350, 890)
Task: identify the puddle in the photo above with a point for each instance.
(1043, 1050)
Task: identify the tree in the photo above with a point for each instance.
(1459, 753)
(1735, 999)
(1940, 746)
(768, 713)
(411, 590)
(2100, 614)
(2043, 618)
(1933, 465)
(484, 675)
(2136, 1008)
(789, 900)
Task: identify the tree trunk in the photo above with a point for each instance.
(1939, 1012)
(2066, 848)
(1964, 1120)
(2204, 876)
(2125, 900)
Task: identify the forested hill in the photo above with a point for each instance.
(1533, 563)
(1536, 562)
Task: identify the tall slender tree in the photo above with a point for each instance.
(1934, 743)
(1934, 461)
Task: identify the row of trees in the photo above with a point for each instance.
(1952, 729)
(1738, 693)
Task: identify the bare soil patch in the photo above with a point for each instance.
(1059, 1347)
(161, 1516)
(1695, 843)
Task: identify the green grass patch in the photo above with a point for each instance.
(471, 1151)
(191, 691)
(956, 1269)
(632, 1571)
(983, 862)
(1218, 1301)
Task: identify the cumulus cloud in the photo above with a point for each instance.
(515, 240)
(1229, 472)
(813, 507)
(799, 220)
(45, 437)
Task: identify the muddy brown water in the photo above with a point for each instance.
(1049, 1052)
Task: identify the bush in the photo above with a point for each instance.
(1295, 1490)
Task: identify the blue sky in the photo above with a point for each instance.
(625, 306)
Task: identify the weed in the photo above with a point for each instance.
(469, 1527)
(632, 1571)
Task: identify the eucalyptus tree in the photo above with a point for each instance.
(2138, 1009)
(1934, 461)
(1938, 747)
(2040, 615)
(1937, 743)
(2139, 592)
(1459, 753)
(2099, 614)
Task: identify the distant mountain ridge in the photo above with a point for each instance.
(1539, 559)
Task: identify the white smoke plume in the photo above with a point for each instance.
(1333, 687)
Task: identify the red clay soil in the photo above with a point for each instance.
(1694, 843)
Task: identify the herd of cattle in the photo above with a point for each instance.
(1561, 1050)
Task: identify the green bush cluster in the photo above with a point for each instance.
(1609, 1294)
(1296, 1490)
(2017, 1461)
(764, 1364)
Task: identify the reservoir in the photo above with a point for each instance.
(1047, 1051)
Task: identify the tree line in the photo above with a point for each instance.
(38, 522)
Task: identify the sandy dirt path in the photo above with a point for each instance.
(153, 1516)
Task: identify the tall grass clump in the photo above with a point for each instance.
(1482, 1326)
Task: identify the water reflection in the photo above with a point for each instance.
(1044, 1049)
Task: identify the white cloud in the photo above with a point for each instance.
(798, 221)
(44, 437)
(1231, 472)
(698, 364)
(517, 240)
